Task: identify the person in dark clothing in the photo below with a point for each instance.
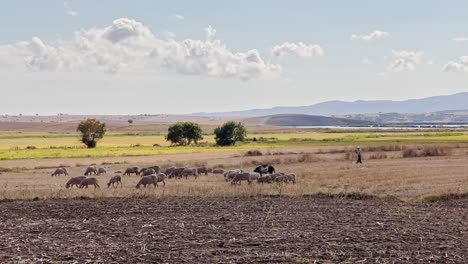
(359, 155)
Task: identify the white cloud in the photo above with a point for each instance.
(405, 60)
(210, 32)
(460, 39)
(297, 49)
(457, 66)
(128, 44)
(374, 35)
(178, 16)
(69, 10)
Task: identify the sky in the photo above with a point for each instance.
(178, 57)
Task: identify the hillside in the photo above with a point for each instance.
(302, 120)
(424, 105)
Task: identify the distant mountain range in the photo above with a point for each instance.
(457, 101)
(303, 120)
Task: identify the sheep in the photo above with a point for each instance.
(115, 179)
(155, 168)
(89, 181)
(291, 177)
(147, 180)
(102, 170)
(202, 170)
(131, 170)
(282, 179)
(59, 171)
(90, 169)
(210, 170)
(264, 179)
(217, 171)
(229, 175)
(176, 173)
(254, 175)
(74, 181)
(274, 175)
(160, 177)
(189, 172)
(239, 177)
(169, 170)
(147, 171)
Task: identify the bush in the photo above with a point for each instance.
(91, 131)
(230, 133)
(31, 147)
(184, 133)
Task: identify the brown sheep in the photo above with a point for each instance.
(147, 180)
(169, 170)
(59, 171)
(147, 171)
(202, 170)
(189, 172)
(74, 181)
(102, 170)
(115, 179)
(176, 173)
(131, 170)
(160, 178)
(239, 177)
(89, 181)
(264, 179)
(90, 169)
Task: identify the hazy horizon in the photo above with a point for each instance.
(154, 57)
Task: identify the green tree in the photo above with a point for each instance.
(230, 133)
(184, 133)
(91, 131)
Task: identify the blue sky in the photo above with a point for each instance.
(56, 55)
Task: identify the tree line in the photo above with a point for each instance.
(179, 134)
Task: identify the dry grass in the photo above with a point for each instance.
(427, 151)
(383, 173)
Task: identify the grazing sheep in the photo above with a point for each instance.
(74, 181)
(282, 179)
(89, 181)
(131, 170)
(217, 171)
(189, 172)
(264, 179)
(202, 170)
(254, 175)
(115, 179)
(59, 171)
(160, 178)
(90, 169)
(243, 176)
(274, 175)
(147, 171)
(176, 173)
(229, 175)
(169, 170)
(291, 177)
(102, 170)
(155, 168)
(147, 180)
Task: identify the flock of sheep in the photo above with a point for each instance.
(152, 176)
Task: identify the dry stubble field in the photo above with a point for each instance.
(380, 212)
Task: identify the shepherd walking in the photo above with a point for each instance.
(359, 155)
